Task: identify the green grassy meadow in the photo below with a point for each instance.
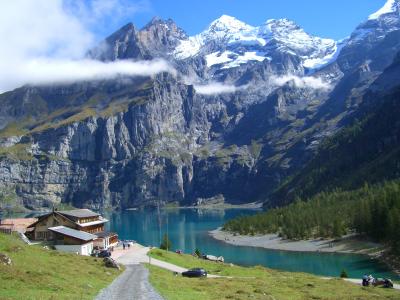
(37, 273)
(252, 283)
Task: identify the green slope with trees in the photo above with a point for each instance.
(370, 210)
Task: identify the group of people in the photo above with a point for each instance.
(128, 245)
(367, 280)
(370, 280)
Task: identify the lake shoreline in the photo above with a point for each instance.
(351, 244)
(218, 206)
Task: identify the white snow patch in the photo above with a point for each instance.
(293, 37)
(314, 64)
(245, 58)
(190, 47)
(217, 58)
(232, 60)
(389, 7)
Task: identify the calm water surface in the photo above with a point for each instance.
(188, 230)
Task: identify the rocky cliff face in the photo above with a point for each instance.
(142, 141)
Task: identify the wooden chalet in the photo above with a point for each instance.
(83, 220)
(70, 240)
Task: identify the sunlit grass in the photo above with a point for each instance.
(252, 283)
(37, 273)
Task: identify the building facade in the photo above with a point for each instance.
(83, 220)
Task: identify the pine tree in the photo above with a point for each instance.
(166, 243)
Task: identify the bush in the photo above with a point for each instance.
(343, 274)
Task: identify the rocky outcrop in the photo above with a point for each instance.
(5, 260)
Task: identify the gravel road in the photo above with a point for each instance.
(133, 284)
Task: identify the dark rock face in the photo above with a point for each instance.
(142, 141)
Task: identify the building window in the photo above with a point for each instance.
(43, 235)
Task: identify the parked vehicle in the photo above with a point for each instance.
(196, 272)
(104, 253)
(214, 258)
(101, 253)
(385, 282)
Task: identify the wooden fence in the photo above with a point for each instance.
(5, 230)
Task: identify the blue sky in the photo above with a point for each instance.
(326, 18)
(45, 40)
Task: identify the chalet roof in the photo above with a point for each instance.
(80, 235)
(23, 222)
(19, 224)
(79, 213)
(104, 234)
(46, 215)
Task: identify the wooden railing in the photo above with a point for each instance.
(5, 230)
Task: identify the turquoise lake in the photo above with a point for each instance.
(188, 229)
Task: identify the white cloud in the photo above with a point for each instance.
(43, 41)
(45, 71)
(302, 82)
(215, 88)
(40, 28)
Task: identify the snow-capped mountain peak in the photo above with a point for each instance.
(225, 30)
(229, 42)
(228, 24)
(276, 25)
(315, 51)
(379, 24)
(391, 6)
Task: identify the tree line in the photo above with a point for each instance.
(371, 210)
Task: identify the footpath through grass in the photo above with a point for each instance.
(252, 283)
(39, 274)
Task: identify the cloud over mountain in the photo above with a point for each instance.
(44, 42)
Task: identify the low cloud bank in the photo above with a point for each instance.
(215, 89)
(45, 71)
(302, 82)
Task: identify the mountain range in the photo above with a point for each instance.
(246, 112)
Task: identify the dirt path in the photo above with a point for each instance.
(133, 283)
(137, 254)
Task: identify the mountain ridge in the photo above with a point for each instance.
(141, 141)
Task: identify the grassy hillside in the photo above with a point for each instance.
(41, 274)
(252, 283)
(32, 110)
